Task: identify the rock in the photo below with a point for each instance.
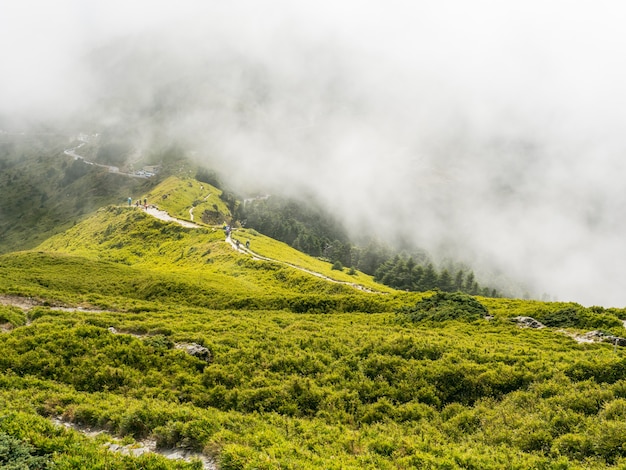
(137, 451)
(196, 350)
(594, 335)
(528, 322)
(605, 338)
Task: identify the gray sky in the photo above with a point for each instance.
(494, 129)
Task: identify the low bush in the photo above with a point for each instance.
(445, 306)
(12, 315)
(19, 455)
(576, 316)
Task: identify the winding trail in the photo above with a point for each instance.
(240, 248)
(193, 207)
(140, 447)
(112, 169)
(163, 215)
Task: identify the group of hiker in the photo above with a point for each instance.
(138, 203)
(227, 230)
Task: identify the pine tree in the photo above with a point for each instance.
(418, 273)
(458, 280)
(445, 281)
(469, 283)
(429, 279)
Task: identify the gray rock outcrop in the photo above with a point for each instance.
(605, 338)
(196, 350)
(528, 322)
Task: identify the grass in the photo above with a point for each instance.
(199, 257)
(177, 195)
(304, 373)
(273, 249)
(288, 390)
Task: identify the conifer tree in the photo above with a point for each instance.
(429, 279)
(458, 280)
(445, 281)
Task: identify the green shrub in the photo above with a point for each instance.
(312, 304)
(445, 306)
(236, 457)
(576, 446)
(18, 455)
(337, 266)
(12, 315)
(575, 316)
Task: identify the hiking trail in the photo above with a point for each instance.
(240, 248)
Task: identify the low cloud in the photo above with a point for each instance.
(489, 130)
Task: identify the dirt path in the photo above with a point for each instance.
(193, 207)
(242, 249)
(140, 447)
(27, 303)
(112, 169)
(162, 215)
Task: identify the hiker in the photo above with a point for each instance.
(247, 244)
(237, 243)
(145, 203)
(130, 201)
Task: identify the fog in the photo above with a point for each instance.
(485, 130)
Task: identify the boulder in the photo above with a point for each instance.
(196, 350)
(605, 338)
(528, 322)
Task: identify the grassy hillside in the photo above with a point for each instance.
(177, 196)
(202, 266)
(298, 372)
(303, 390)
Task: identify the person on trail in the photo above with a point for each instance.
(247, 244)
(130, 201)
(145, 203)
(237, 243)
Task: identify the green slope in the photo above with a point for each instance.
(382, 380)
(195, 266)
(178, 195)
(287, 390)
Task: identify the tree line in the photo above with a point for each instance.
(405, 274)
(308, 228)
